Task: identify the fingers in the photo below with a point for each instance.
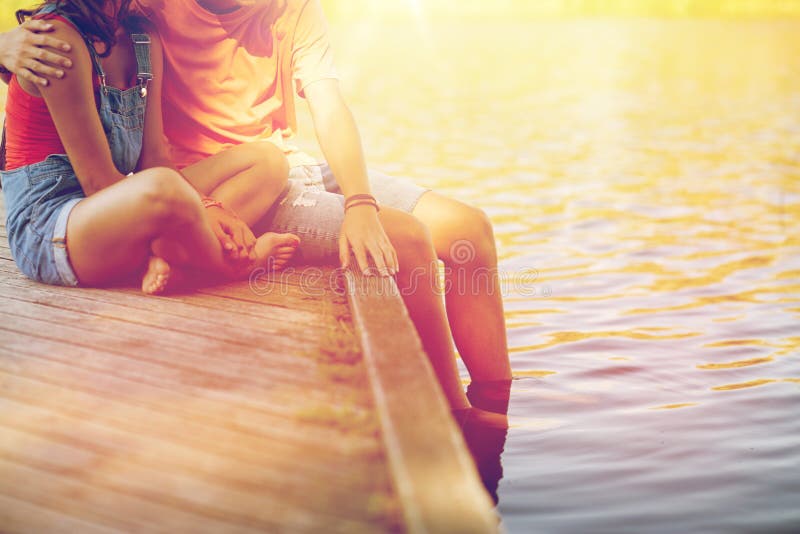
(37, 25)
(361, 258)
(376, 253)
(228, 245)
(45, 57)
(391, 257)
(250, 242)
(241, 240)
(42, 69)
(26, 74)
(224, 239)
(344, 251)
(396, 259)
(45, 41)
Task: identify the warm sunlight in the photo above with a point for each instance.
(472, 266)
(391, 9)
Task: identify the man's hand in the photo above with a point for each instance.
(31, 55)
(363, 232)
(234, 235)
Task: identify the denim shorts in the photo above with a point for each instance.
(39, 199)
(313, 208)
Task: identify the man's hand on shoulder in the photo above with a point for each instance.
(31, 54)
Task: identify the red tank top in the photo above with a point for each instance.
(31, 135)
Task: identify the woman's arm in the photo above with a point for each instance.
(71, 101)
(155, 148)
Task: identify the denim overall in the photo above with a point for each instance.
(40, 197)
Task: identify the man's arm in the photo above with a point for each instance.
(340, 141)
(33, 56)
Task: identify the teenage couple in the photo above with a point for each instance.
(146, 138)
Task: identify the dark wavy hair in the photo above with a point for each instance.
(89, 16)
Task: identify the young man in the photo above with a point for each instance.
(232, 69)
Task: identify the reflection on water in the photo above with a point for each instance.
(648, 171)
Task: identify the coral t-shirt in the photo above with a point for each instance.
(230, 78)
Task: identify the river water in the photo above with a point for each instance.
(644, 181)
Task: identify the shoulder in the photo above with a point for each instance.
(309, 11)
(65, 31)
(78, 53)
(294, 12)
(310, 24)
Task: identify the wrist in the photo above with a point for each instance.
(361, 200)
(209, 202)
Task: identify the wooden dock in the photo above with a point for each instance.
(282, 404)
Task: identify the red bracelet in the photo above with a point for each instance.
(362, 196)
(362, 203)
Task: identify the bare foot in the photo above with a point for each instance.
(156, 276)
(274, 251)
(475, 417)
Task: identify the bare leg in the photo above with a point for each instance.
(246, 178)
(464, 240)
(110, 234)
(418, 270)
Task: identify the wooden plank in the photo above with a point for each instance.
(227, 409)
(17, 515)
(238, 407)
(198, 303)
(285, 342)
(140, 411)
(434, 476)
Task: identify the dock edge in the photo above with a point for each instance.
(435, 478)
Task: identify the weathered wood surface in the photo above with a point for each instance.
(242, 407)
(435, 478)
(228, 409)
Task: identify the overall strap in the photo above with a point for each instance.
(98, 68)
(3, 151)
(144, 69)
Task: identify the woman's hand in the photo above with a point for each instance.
(363, 233)
(31, 55)
(234, 235)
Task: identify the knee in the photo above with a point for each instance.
(477, 235)
(413, 242)
(272, 165)
(167, 197)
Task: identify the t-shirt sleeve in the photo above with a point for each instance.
(312, 56)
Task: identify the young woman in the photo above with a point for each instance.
(91, 195)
